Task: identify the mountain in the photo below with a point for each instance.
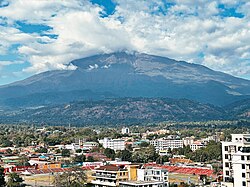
(122, 75)
(117, 111)
(239, 109)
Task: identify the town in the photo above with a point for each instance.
(147, 156)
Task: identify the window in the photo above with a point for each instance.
(248, 157)
(227, 164)
(243, 183)
(243, 166)
(227, 172)
(243, 175)
(242, 157)
(226, 148)
(226, 156)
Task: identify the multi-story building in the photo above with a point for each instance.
(165, 144)
(235, 159)
(112, 175)
(125, 130)
(129, 175)
(241, 167)
(89, 145)
(115, 144)
(197, 145)
(109, 175)
(188, 141)
(153, 174)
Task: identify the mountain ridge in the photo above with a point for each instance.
(121, 75)
(126, 111)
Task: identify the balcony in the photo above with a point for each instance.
(109, 176)
(103, 183)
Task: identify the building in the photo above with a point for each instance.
(235, 159)
(141, 184)
(73, 146)
(115, 144)
(125, 130)
(129, 175)
(165, 144)
(97, 156)
(241, 167)
(89, 145)
(155, 174)
(197, 145)
(109, 175)
(188, 141)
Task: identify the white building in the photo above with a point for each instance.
(89, 145)
(115, 144)
(141, 184)
(72, 146)
(241, 167)
(188, 141)
(125, 130)
(236, 160)
(165, 144)
(197, 145)
(153, 174)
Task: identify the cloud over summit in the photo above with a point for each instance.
(213, 33)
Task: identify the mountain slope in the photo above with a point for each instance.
(120, 75)
(239, 109)
(117, 111)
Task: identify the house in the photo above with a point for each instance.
(109, 175)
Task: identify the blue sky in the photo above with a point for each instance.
(39, 36)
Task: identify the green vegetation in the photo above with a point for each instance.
(145, 155)
(124, 155)
(42, 150)
(74, 178)
(110, 153)
(14, 180)
(129, 111)
(2, 179)
(79, 158)
(65, 153)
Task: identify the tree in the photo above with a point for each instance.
(14, 180)
(23, 161)
(125, 155)
(42, 150)
(110, 153)
(78, 150)
(144, 144)
(65, 153)
(74, 178)
(8, 151)
(162, 159)
(6, 143)
(2, 180)
(90, 159)
(145, 155)
(79, 158)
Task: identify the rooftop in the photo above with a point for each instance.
(111, 168)
(141, 182)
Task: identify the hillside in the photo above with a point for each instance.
(117, 111)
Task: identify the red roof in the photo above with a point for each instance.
(185, 170)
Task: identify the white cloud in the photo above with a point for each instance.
(7, 63)
(189, 30)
